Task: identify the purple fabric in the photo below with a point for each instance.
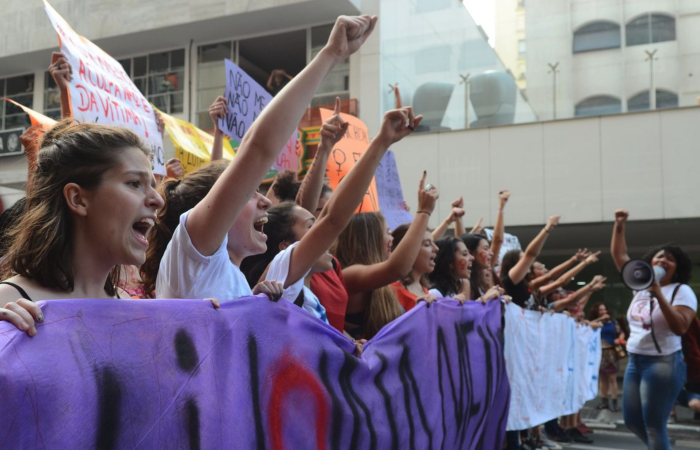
(391, 200)
(254, 374)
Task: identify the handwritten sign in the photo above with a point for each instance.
(192, 145)
(102, 92)
(567, 371)
(346, 153)
(246, 100)
(510, 242)
(389, 192)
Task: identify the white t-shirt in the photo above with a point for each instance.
(279, 270)
(640, 341)
(437, 294)
(186, 273)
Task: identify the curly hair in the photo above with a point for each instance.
(286, 186)
(684, 265)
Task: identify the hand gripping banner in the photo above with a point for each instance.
(253, 375)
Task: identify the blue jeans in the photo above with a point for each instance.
(652, 385)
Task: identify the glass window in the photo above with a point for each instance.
(522, 48)
(52, 98)
(599, 105)
(337, 83)
(597, 36)
(211, 78)
(664, 99)
(21, 90)
(651, 28)
(160, 77)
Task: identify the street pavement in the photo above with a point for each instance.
(611, 433)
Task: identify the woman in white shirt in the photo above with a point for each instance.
(657, 317)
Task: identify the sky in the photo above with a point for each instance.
(484, 13)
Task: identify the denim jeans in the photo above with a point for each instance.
(652, 385)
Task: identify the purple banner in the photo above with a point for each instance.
(391, 201)
(254, 374)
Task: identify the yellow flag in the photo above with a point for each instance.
(192, 145)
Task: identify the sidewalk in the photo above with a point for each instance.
(605, 419)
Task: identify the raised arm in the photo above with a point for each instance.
(582, 295)
(499, 229)
(359, 278)
(351, 191)
(456, 213)
(566, 278)
(517, 273)
(62, 72)
(459, 225)
(331, 132)
(579, 256)
(217, 111)
(618, 244)
(212, 218)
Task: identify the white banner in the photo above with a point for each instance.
(102, 92)
(552, 366)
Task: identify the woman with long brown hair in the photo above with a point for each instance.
(90, 205)
(369, 265)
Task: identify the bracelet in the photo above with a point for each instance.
(423, 212)
(547, 230)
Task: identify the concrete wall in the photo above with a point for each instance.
(583, 169)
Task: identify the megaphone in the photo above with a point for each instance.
(638, 274)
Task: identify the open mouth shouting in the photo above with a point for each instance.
(259, 224)
(140, 229)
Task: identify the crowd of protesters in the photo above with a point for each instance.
(98, 224)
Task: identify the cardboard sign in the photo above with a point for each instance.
(389, 192)
(346, 153)
(102, 92)
(192, 145)
(255, 374)
(510, 242)
(246, 100)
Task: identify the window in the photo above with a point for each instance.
(651, 28)
(160, 77)
(522, 48)
(21, 90)
(597, 36)
(211, 78)
(664, 99)
(599, 105)
(521, 3)
(52, 97)
(337, 83)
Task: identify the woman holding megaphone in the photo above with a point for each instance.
(658, 317)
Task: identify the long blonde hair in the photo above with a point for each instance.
(362, 242)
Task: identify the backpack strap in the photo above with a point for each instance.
(651, 318)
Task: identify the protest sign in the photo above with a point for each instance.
(113, 374)
(510, 242)
(548, 353)
(246, 100)
(102, 92)
(389, 192)
(346, 153)
(192, 145)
